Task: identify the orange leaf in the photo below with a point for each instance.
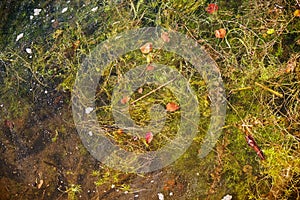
(172, 107)
(146, 48)
(297, 13)
(220, 33)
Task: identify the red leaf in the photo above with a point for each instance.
(211, 8)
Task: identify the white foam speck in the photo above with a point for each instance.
(227, 197)
(88, 110)
(95, 9)
(36, 11)
(64, 10)
(28, 50)
(19, 36)
(160, 196)
(31, 17)
(90, 133)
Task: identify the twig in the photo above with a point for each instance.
(153, 91)
(270, 90)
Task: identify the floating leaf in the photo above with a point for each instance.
(172, 107)
(146, 48)
(220, 33)
(165, 36)
(211, 8)
(149, 137)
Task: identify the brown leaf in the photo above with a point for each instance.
(146, 48)
(172, 107)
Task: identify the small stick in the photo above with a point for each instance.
(240, 89)
(270, 90)
(152, 91)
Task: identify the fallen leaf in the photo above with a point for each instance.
(146, 48)
(211, 8)
(172, 107)
(149, 137)
(165, 36)
(124, 100)
(297, 13)
(220, 33)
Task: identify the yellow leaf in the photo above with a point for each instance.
(270, 31)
